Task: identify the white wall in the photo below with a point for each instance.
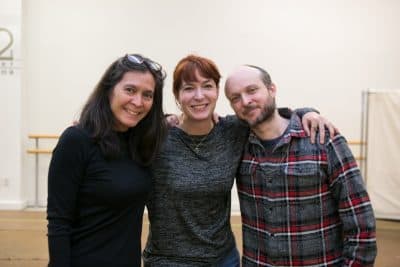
(320, 53)
(10, 108)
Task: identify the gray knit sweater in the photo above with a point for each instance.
(189, 210)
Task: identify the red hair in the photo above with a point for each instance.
(186, 68)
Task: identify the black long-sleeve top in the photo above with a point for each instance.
(95, 206)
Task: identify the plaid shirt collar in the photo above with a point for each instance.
(294, 130)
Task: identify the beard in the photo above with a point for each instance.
(266, 114)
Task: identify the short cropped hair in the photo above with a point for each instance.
(264, 75)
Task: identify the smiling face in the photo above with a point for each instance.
(250, 98)
(198, 98)
(131, 99)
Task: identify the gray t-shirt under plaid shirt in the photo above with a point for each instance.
(189, 209)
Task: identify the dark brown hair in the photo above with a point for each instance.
(146, 137)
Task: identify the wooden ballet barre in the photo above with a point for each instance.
(39, 151)
(356, 142)
(37, 137)
(43, 136)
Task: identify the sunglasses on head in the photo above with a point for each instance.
(139, 60)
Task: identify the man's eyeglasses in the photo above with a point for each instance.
(139, 60)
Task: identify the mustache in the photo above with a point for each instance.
(249, 108)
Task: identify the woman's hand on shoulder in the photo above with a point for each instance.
(313, 122)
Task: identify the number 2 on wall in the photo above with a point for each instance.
(6, 46)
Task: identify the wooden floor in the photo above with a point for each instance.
(23, 240)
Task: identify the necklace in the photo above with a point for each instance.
(196, 140)
(197, 145)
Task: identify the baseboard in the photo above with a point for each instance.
(386, 216)
(13, 205)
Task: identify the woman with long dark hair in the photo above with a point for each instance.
(99, 176)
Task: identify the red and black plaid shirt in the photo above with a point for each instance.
(304, 204)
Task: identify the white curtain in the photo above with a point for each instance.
(383, 153)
